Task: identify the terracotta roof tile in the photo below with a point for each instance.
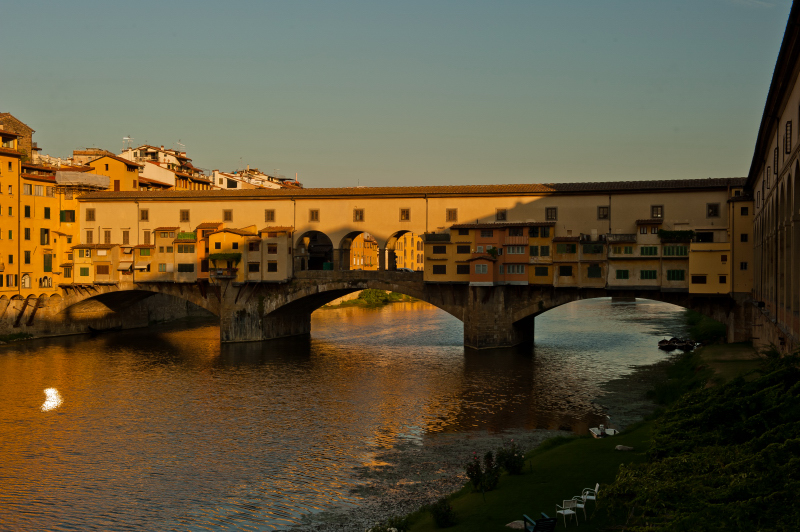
(93, 246)
(120, 159)
(166, 228)
(36, 177)
(9, 151)
(8, 133)
(209, 225)
(234, 231)
(461, 190)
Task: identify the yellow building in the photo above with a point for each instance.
(409, 252)
(10, 169)
(364, 252)
(124, 174)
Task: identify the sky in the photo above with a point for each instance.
(378, 93)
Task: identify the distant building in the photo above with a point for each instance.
(25, 139)
(167, 166)
(250, 178)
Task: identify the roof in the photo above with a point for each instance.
(37, 177)
(783, 78)
(209, 225)
(120, 159)
(66, 167)
(9, 115)
(10, 151)
(39, 167)
(454, 190)
(481, 257)
(166, 228)
(94, 246)
(8, 133)
(185, 241)
(147, 180)
(144, 246)
(234, 231)
(650, 221)
(502, 225)
(277, 229)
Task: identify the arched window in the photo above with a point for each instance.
(26, 281)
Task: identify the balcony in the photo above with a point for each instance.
(223, 273)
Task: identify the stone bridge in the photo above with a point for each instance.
(493, 316)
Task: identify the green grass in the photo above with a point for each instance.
(14, 337)
(554, 471)
(703, 329)
(372, 298)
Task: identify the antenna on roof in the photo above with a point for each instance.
(127, 142)
(181, 147)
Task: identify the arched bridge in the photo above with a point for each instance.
(493, 316)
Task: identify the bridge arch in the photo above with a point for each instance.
(398, 248)
(359, 250)
(312, 250)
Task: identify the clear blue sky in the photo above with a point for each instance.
(402, 93)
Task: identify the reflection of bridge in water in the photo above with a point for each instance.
(493, 316)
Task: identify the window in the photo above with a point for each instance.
(439, 250)
(272, 266)
(533, 232)
(272, 249)
(27, 211)
(515, 250)
(775, 156)
(480, 268)
(565, 271)
(26, 232)
(253, 246)
(723, 259)
(676, 251)
(516, 231)
(643, 230)
(10, 211)
(515, 269)
(594, 271)
(656, 211)
(313, 215)
(602, 213)
(462, 269)
(44, 236)
(743, 266)
(253, 267)
(541, 271)
(106, 237)
(184, 216)
(102, 269)
(648, 274)
(10, 234)
(551, 214)
(788, 138)
(745, 211)
(170, 249)
(534, 251)
(712, 210)
(451, 215)
(463, 232)
(11, 259)
(592, 249)
(227, 215)
(144, 252)
(235, 245)
(146, 237)
(544, 251)
(68, 216)
(269, 215)
(84, 272)
(723, 279)
(698, 279)
(405, 215)
(676, 275)
(185, 248)
(358, 215)
(162, 268)
(68, 272)
(479, 249)
(144, 215)
(186, 268)
(217, 245)
(654, 230)
(487, 233)
(89, 236)
(462, 249)
(38, 190)
(126, 238)
(439, 269)
(26, 190)
(648, 251)
(566, 248)
(47, 213)
(500, 215)
(26, 257)
(743, 237)
(51, 192)
(545, 232)
(622, 274)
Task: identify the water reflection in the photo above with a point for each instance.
(166, 429)
(53, 400)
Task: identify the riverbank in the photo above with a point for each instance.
(370, 298)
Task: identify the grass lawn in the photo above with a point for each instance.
(558, 472)
(729, 360)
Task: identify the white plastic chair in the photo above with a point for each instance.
(567, 508)
(580, 502)
(590, 494)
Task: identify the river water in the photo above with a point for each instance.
(164, 429)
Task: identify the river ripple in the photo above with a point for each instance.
(163, 429)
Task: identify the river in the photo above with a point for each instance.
(164, 429)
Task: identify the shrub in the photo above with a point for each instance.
(486, 476)
(443, 514)
(511, 458)
(393, 524)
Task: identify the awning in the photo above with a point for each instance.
(141, 265)
(124, 266)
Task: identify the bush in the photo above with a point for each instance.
(484, 477)
(443, 514)
(703, 329)
(511, 458)
(393, 524)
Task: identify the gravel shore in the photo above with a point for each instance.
(416, 475)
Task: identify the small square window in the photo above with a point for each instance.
(744, 237)
(272, 266)
(501, 215)
(217, 245)
(184, 215)
(602, 213)
(712, 210)
(452, 215)
(654, 230)
(269, 215)
(227, 215)
(723, 279)
(405, 215)
(745, 211)
(358, 215)
(743, 266)
(643, 230)
(313, 215)
(144, 215)
(657, 211)
(551, 214)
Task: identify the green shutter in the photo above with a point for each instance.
(48, 262)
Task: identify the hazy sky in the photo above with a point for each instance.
(404, 92)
